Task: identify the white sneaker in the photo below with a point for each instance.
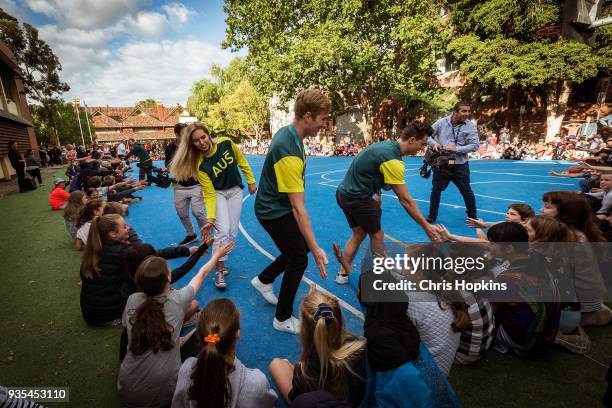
(341, 279)
(291, 325)
(267, 291)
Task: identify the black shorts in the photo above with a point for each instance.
(360, 212)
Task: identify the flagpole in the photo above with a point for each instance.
(76, 102)
(87, 118)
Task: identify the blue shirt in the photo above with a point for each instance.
(463, 136)
(606, 120)
(588, 129)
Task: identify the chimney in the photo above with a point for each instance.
(160, 110)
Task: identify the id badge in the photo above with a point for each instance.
(451, 162)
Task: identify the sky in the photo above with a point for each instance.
(118, 52)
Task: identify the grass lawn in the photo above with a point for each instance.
(45, 342)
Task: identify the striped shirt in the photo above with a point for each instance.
(476, 338)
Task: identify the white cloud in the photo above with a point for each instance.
(146, 64)
(55, 36)
(146, 24)
(88, 14)
(159, 70)
(177, 13)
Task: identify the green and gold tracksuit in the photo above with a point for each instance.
(219, 171)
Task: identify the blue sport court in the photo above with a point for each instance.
(496, 183)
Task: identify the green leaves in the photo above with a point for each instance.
(39, 64)
(505, 62)
(229, 101)
(60, 115)
(359, 51)
(499, 47)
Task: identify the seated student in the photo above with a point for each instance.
(91, 194)
(515, 213)
(58, 196)
(540, 230)
(139, 252)
(122, 191)
(93, 208)
(153, 318)
(574, 210)
(103, 271)
(122, 210)
(526, 326)
(605, 225)
(604, 197)
(331, 360)
(401, 371)
(76, 202)
(216, 378)
(476, 336)
(438, 320)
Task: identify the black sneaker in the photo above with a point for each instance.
(189, 239)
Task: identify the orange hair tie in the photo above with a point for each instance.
(212, 338)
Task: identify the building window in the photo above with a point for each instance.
(3, 104)
(10, 97)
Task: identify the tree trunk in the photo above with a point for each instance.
(365, 124)
(557, 96)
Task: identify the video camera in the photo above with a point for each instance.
(441, 161)
(161, 178)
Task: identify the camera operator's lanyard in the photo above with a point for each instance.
(452, 161)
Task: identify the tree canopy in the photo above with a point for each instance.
(64, 119)
(497, 43)
(40, 65)
(229, 102)
(360, 52)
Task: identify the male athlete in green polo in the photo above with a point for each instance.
(279, 207)
(377, 166)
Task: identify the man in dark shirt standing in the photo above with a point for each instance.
(145, 162)
(185, 192)
(18, 164)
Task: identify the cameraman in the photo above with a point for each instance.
(455, 136)
(185, 192)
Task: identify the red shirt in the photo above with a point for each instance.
(58, 197)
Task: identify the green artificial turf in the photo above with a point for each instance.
(45, 342)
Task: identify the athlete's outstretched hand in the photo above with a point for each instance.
(432, 233)
(321, 260)
(207, 230)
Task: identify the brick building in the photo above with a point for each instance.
(15, 119)
(114, 124)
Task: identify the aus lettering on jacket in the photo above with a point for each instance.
(222, 164)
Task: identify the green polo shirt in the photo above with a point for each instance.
(219, 171)
(282, 173)
(374, 167)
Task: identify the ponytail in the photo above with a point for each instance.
(150, 330)
(324, 340)
(218, 327)
(462, 318)
(98, 234)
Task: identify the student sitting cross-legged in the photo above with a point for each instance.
(216, 378)
(153, 318)
(332, 359)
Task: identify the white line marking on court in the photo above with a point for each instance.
(498, 198)
(518, 181)
(449, 205)
(325, 172)
(308, 281)
(512, 174)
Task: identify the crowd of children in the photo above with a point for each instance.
(176, 353)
